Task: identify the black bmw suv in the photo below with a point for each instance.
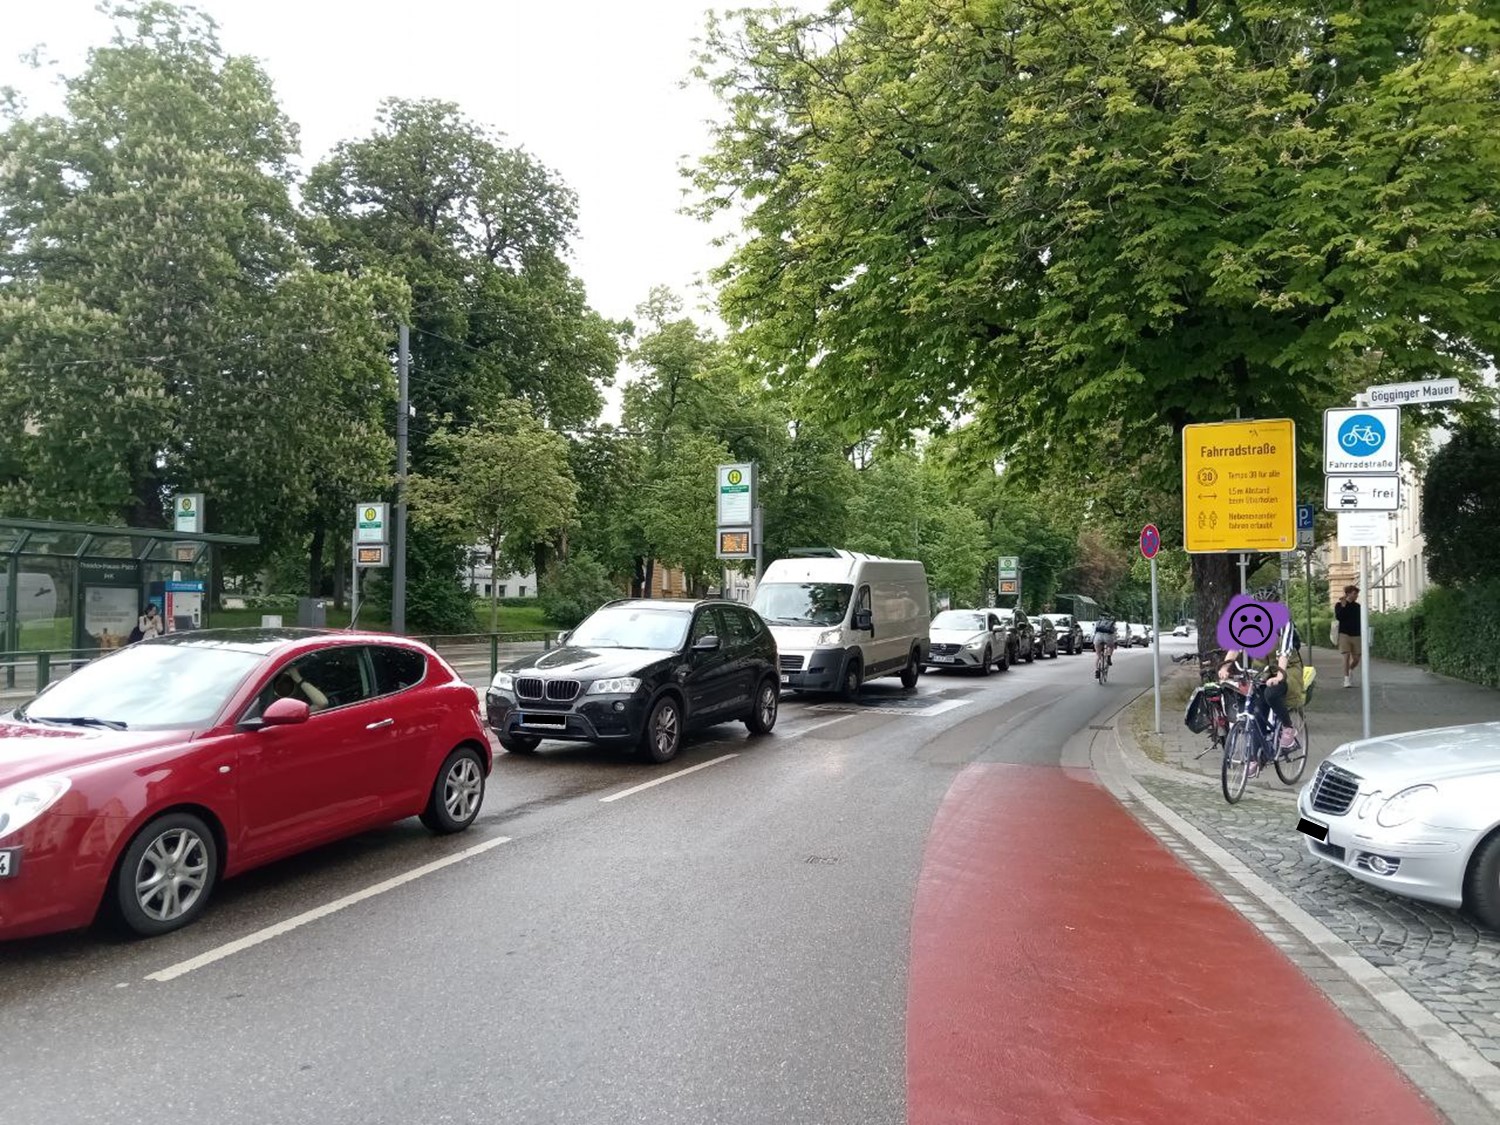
(642, 672)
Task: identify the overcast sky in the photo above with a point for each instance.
(590, 88)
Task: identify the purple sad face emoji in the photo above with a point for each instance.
(1252, 626)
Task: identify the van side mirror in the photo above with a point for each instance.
(863, 619)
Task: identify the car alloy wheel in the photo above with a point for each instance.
(767, 705)
(166, 875)
(984, 665)
(463, 789)
(171, 874)
(663, 734)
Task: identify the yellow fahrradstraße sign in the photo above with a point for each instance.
(1239, 486)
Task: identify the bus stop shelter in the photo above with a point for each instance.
(80, 587)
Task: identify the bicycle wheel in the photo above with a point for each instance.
(1104, 671)
(1291, 763)
(1235, 770)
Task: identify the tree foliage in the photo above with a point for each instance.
(1105, 217)
(1461, 504)
(160, 327)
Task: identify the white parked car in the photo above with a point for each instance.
(1416, 813)
(1181, 631)
(975, 639)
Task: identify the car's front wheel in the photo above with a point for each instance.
(984, 664)
(853, 679)
(520, 743)
(911, 672)
(456, 794)
(166, 875)
(762, 717)
(662, 737)
(1482, 887)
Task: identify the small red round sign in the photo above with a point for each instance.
(1150, 541)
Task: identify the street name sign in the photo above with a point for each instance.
(736, 494)
(1415, 394)
(1239, 486)
(1362, 440)
(1362, 493)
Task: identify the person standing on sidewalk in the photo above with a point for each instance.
(1347, 611)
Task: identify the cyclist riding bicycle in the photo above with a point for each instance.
(1276, 686)
(1104, 642)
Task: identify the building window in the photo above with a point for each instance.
(485, 588)
(505, 592)
(520, 591)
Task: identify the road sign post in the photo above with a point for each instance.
(1239, 486)
(1150, 545)
(738, 513)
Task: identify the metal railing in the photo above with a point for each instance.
(29, 672)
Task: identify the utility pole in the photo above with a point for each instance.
(398, 548)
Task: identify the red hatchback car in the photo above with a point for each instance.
(139, 781)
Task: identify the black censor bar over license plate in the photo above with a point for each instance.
(1312, 828)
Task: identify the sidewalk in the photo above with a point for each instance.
(1067, 967)
(1402, 698)
(1405, 972)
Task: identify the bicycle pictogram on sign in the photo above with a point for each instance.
(1362, 435)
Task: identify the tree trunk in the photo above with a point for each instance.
(650, 575)
(340, 578)
(315, 560)
(1215, 582)
(637, 577)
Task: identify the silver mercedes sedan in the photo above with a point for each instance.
(1416, 813)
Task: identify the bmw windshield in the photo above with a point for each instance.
(803, 603)
(633, 627)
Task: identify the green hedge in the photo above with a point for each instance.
(1454, 632)
(1399, 635)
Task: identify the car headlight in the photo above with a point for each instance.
(623, 685)
(21, 804)
(975, 645)
(503, 681)
(831, 637)
(1405, 805)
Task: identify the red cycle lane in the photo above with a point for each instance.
(1065, 967)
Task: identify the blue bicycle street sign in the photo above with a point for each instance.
(1362, 439)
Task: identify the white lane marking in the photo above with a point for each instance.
(798, 732)
(668, 777)
(229, 949)
(926, 712)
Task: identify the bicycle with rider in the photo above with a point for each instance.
(1104, 643)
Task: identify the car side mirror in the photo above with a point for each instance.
(863, 619)
(709, 643)
(562, 638)
(285, 713)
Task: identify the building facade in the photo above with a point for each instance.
(1397, 572)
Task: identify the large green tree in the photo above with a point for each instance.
(160, 328)
(1106, 217)
(1461, 504)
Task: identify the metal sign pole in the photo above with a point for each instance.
(353, 578)
(1309, 610)
(1155, 647)
(1244, 572)
(1364, 640)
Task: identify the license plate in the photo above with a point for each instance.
(944, 659)
(10, 862)
(1312, 828)
(785, 678)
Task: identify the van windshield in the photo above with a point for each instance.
(803, 603)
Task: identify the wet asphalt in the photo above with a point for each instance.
(727, 946)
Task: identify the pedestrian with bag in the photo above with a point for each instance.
(1347, 612)
(148, 625)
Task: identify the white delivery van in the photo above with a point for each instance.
(841, 618)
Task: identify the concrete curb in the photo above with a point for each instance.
(1116, 766)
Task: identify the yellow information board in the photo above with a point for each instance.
(1239, 486)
